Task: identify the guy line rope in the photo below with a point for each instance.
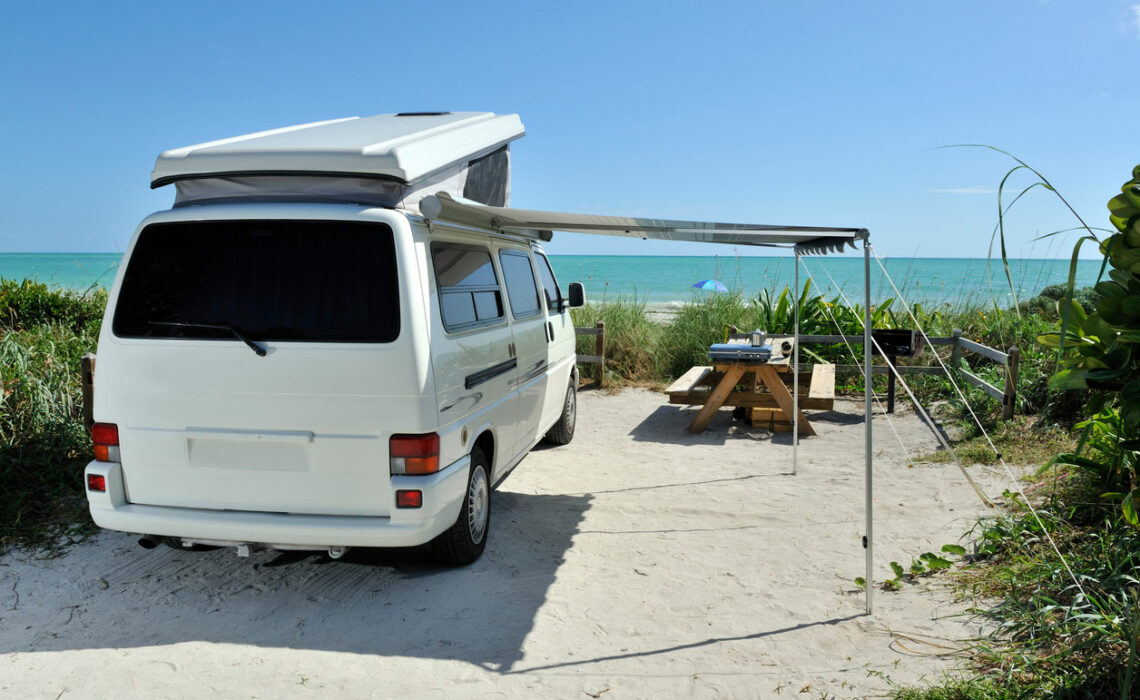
(874, 395)
(961, 395)
(902, 382)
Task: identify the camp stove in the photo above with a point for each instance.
(750, 348)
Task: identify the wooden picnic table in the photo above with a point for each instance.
(761, 387)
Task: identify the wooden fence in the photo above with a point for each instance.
(1009, 360)
(599, 356)
(87, 382)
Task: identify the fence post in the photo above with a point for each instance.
(87, 382)
(600, 351)
(1011, 371)
(956, 349)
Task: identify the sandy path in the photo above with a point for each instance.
(640, 560)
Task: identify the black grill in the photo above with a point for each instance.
(897, 342)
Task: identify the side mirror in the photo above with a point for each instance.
(577, 295)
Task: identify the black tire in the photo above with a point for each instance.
(463, 542)
(563, 431)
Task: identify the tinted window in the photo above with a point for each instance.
(469, 292)
(521, 289)
(550, 289)
(323, 281)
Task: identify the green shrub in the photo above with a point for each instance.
(27, 304)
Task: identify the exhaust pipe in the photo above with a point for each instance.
(337, 552)
(150, 541)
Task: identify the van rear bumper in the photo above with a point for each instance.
(443, 494)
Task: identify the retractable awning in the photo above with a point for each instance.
(802, 239)
(806, 240)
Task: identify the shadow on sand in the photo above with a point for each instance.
(382, 602)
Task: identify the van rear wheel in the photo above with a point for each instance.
(563, 431)
(464, 541)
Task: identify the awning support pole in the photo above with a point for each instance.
(796, 371)
(868, 541)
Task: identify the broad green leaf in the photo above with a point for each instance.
(954, 549)
(1110, 289)
(1131, 392)
(1079, 312)
(1120, 207)
(1130, 305)
(938, 563)
(897, 568)
(1068, 379)
(1128, 508)
(1119, 276)
(1109, 309)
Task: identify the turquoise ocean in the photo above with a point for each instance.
(666, 280)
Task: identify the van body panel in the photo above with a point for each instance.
(209, 424)
(529, 336)
(471, 391)
(560, 350)
(443, 494)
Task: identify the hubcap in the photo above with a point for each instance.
(571, 407)
(477, 502)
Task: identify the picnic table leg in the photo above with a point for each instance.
(716, 398)
(783, 398)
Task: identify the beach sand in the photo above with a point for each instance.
(640, 561)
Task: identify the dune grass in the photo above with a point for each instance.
(43, 443)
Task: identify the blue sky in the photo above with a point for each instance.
(824, 113)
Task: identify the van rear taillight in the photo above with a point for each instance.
(414, 454)
(106, 439)
(97, 482)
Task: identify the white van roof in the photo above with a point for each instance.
(404, 147)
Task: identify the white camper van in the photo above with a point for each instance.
(294, 356)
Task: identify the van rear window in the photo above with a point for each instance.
(273, 280)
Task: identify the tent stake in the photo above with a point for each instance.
(868, 487)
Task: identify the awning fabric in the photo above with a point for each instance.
(806, 240)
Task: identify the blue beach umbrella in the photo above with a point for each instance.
(710, 285)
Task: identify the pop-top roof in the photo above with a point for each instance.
(401, 147)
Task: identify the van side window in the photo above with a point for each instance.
(521, 288)
(549, 284)
(469, 294)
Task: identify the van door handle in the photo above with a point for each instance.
(550, 326)
(510, 350)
